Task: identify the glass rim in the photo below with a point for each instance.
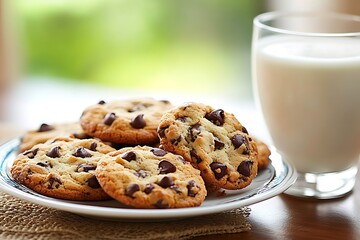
(259, 21)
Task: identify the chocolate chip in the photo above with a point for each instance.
(54, 152)
(85, 167)
(181, 159)
(54, 182)
(194, 131)
(80, 135)
(131, 189)
(45, 127)
(218, 144)
(238, 140)
(191, 184)
(193, 154)
(216, 117)
(244, 130)
(176, 189)
(93, 146)
(82, 153)
(109, 118)
(101, 102)
(45, 164)
(160, 204)
(165, 182)
(245, 168)
(166, 167)
(129, 156)
(161, 132)
(158, 152)
(137, 107)
(93, 182)
(218, 169)
(31, 153)
(182, 119)
(148, 188)
(165, 101)
(141, 173)
(176, 141)
(117, 146)
(138, 122)
(246, 150)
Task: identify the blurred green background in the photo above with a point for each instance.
(184, 46)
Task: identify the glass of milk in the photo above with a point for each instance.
(306, 81)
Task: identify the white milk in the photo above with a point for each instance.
(309, 92)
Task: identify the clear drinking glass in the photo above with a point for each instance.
(306, 80)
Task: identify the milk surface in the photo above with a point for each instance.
(309, 93)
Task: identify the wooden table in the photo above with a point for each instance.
(285, 217)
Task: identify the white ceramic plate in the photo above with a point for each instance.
(269, 182)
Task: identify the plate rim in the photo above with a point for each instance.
(147, 214)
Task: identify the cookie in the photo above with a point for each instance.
(263, 153)
(46, 132)
(62, 168)
(129, 122)
(146, 177)
(214, 141)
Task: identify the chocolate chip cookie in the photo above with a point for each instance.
(125, 122)
(146, 177)
(62, 168)
(214, 141)
(46, 132)
(263, 153)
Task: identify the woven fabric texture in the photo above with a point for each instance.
(23, 220)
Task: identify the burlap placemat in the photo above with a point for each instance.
(22, 220)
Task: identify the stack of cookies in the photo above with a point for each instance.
(144, 153)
